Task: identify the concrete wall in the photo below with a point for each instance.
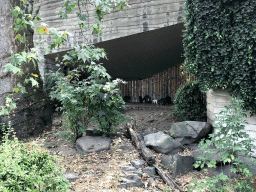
(216, 100)
(143, 15)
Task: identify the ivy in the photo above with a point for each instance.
(220, 48)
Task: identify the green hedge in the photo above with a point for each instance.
(220, 46)
(189, 103)
(26, 167)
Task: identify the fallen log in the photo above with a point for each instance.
(170, 178)
(149, 158)
(139, 143)
(147, 155)
(161, 173)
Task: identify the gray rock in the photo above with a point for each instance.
(178, 163)
(193, 146)
(215, 157)
(128, 168)
(139, 173)
(130, 181)
(88, 144)
(149, 170)
(252, 169)
(144, 133)
(225, 169)
(138, 163)
(71, 176)
(161, 142)
(191, 131)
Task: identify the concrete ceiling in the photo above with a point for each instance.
(142, 55)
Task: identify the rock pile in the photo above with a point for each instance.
(133, 174)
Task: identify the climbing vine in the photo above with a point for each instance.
(219, 44)
(95, 97)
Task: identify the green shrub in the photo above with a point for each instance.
(189, 102)
(27, 167)
(220, 47)
(230, 140)
(95, 98)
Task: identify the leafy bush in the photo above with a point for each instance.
(95, 98)
(27, 167)
(189, 102)
(230, 140)
(220, 47)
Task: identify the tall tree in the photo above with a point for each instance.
(33, 112)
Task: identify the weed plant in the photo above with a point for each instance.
(231, 142)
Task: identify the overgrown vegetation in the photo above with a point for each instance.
(220, 48)
(189, 103)
(95, 98)
(231, 142)
(28, 167)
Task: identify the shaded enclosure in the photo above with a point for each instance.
(159, 86)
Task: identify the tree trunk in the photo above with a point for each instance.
(33, 114)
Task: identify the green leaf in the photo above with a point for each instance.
(10, 67)
(33, 82)
(16, 90)
(18, 37)
(4, 111)
(15, 11)
(22, 88)
(83, 54)
(40, 30)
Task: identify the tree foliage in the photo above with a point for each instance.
(96, 97)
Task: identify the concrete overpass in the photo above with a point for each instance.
(140, 42)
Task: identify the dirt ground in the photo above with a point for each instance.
(101, 171)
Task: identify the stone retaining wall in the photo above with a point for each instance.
(216, 100)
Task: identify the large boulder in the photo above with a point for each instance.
(190, 131)
(161, 143)
(88, 144)
(178, 163)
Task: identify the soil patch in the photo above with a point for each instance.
(101, 171)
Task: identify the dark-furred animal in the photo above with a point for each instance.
(147, 99)
(162, 101)
(168, 100)
(127, 99)
(141, 100)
